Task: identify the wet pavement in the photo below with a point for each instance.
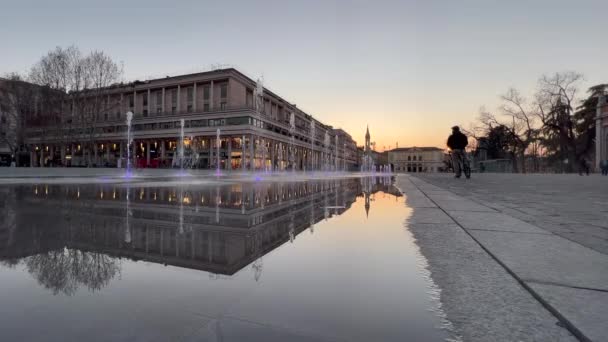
(156, 260)
(529, 250)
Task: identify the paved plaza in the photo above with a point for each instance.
(518, 257)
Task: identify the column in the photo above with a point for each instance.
(149, 103)
(95, 153)
(52, 153)
(229, 161)
(148, 153)
(211, 96)
(272, 154)
(252, 152)
(243, 153)
(32, 156)
(163, 102)
(211, 159)
(120, 148)
(179, 98)
(108, 152)
(63, 155)
(162, 149)
(134, 154)
(194, 98)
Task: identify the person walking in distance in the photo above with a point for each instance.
(604, 167)
(457, 143)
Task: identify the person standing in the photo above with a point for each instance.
(457, 143)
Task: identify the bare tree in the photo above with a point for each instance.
(18, 101)
(555, 101)
(82, 82)
(523, 125)
(489, 122)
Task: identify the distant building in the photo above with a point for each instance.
(601, 131)
(348, 156)
(417, 159)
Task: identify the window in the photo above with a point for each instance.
(217, 122)
(206, 92)
(145, 100)
(249, 98)
(419, 158)
(409, 158)
(174, 96)
(189, 108)
(145, 113)
(223, 105)
(224, 91)
(190, 94)
(206, 107)
(131, 101)
(105, 117)
(159, 98)
(118, 115)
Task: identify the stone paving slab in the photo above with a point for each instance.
(587, 310)
(481, 300)
(549, 201)
(547, 258)
(542, 238)
(429, 215)
(494, 221)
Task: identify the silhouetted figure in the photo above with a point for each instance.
(604, 167)
(457, 143)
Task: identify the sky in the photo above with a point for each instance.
(408, 69)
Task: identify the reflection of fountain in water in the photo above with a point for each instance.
(129, 141)
(217, 204)
(181, 210)
(181, 146)
(312, 211)
(218, 144)
(128, 217)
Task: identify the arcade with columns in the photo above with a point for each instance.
(258, 130)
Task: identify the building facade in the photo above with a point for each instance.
(601, 131)
(416, 159)
(230, 122)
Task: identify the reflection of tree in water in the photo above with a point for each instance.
(10, 263)
(65, 270)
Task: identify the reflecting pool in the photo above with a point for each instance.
(321, 260)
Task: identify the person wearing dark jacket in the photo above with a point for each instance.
(457, 143)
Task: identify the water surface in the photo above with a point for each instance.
(261, 261)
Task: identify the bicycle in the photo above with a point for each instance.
(460, 157)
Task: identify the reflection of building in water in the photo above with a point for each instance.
(171, 226)
(371, 185)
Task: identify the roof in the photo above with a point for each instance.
(412, 149)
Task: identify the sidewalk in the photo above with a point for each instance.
(504, 279)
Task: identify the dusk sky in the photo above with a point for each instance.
(409, 69)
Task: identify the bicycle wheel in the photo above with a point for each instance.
(467, 169)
